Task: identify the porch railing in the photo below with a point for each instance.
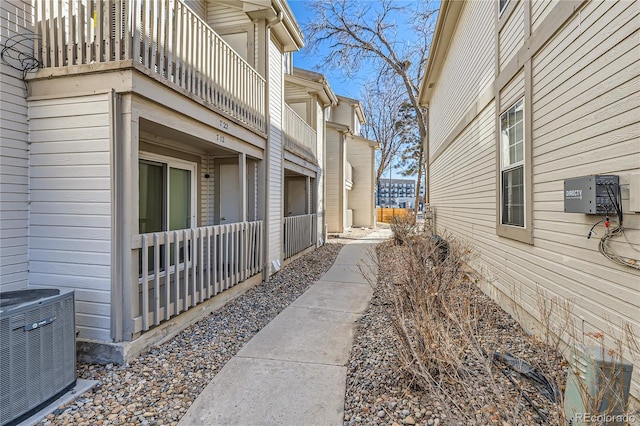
(179, 269)
(163, 36)
(299, 136)
(300, 232)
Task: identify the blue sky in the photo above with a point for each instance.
(312, 61)
(307, 59)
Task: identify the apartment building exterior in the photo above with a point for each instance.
(150, 160)
(523, 97)
(397, 193)
(350, 169)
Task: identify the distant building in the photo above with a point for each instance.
(397, 193)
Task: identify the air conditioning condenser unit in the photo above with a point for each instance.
(37, 350)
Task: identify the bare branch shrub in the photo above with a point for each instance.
(402, 228)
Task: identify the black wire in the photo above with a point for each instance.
(17, 53)
(594, 225)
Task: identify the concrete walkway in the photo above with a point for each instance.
(293, 371)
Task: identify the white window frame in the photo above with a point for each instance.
(176, 163)
(502, 7)
(504, 150)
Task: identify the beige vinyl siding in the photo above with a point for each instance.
(320, 204)
(469, 70)
(295, 92)
(361, 157)
(220, 15)
(465, 200)
(586, 106)
(335, 187)
(276, 166)
(586, 120)
(512, 35)
(512, 92)
(70, 217)
(199, 7)
(15, 18)
(539, 11)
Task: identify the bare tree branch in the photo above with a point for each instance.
(360, 32)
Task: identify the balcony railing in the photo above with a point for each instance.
(164, 37)
(300, 232)
(299, 136)
(179, 269)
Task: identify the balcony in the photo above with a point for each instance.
(166, 40)
(300, 138)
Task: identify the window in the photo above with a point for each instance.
(512, 165)
(503, 4)
(166, 194)
(166, 200)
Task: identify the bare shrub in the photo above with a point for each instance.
(457, 346)
(440, 318)
(402, 228)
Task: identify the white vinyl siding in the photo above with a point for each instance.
(207, 191)
(14, 151)
(70, 216)
(469, 70)
(512, 35)
(275, 163)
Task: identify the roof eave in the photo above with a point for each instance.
(445, 27)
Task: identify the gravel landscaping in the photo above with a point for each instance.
(158, 387)
(380, 391)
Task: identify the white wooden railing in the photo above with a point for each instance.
(300, 232)
(164, 37)
(179, 269)
(299, 136)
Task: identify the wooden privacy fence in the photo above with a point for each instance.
(385, 215)
(163, 36)
(179, 269)
(300, 232)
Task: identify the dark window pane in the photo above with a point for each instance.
(513, 197)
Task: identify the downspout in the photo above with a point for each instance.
(267, 151)
(427, 178)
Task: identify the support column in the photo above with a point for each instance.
(307, 191)
(242, 174)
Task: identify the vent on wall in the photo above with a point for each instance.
(37, 350)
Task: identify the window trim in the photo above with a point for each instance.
(513, 166)
(522, 234)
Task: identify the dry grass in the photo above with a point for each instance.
(443, 321)
(450, 340)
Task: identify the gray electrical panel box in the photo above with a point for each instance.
(591, 194)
